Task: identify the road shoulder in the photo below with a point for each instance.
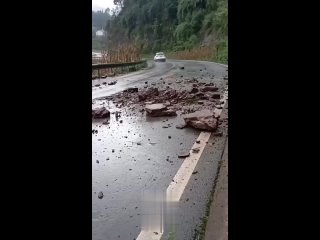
(217, 225)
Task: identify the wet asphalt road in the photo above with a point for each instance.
(140, 156)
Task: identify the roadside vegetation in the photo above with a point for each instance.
(184, 29)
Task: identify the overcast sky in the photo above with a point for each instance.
(102, 4)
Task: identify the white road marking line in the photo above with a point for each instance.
(181, 179)
(148, 235)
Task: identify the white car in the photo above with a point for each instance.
(160, 57)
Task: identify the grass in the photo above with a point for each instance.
(97, 44)
(208, 53)
(198, 53)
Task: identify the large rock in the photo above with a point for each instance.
(202, 120)
(159, 110)
(100, 113)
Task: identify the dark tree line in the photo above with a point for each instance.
(169, 24)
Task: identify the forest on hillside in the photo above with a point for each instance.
(171, 25)
(99, 20)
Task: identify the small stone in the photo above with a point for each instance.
(194, 90)
(218, 134)
(132, 90)
(100, 195)
(216, 96)
(121, 121)
(97, 161)
(145, 82)
(195, 150)
(169, 137)
(195, 172)
(112, 83)
(113, 150)
(198, 141)
(181, 126)
(184, 154)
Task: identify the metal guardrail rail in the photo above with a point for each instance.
(116, 65)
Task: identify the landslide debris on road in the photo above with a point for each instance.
(171, 96)
(175, 99)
